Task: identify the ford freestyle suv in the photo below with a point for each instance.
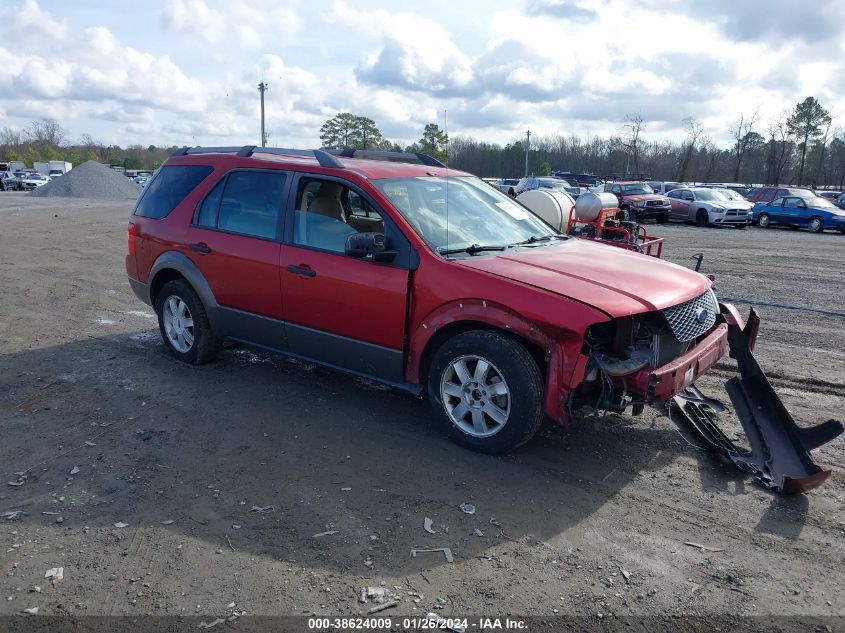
(637, 201)
(395, 268)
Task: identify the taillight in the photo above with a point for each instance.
(131, 239)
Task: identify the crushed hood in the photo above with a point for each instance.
(615, 280)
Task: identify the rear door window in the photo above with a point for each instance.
(168, 188)
(207, 211)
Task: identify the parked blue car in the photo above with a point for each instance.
(814, 214)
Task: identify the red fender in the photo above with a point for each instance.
(561, 351)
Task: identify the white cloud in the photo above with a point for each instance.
(235, 23)
(186, 71)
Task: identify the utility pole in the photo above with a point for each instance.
(527, 146)
(262, 87)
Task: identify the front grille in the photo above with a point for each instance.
(693, 318)
(654, 203)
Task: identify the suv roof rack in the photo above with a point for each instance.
(425, 159)
(323, 158)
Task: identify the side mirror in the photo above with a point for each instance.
(368, 246)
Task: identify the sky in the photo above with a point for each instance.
(185, 72)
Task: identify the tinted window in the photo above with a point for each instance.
(207, 211)
(168, 188)
(250, 203)
(676, 193)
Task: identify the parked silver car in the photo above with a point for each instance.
(710, 207)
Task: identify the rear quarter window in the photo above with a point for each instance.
(168, 188)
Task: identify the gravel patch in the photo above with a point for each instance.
(89, 180)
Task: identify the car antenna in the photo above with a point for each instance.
(447, 176)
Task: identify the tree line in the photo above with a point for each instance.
(46, 139)
(799, 147)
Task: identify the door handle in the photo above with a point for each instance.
(201, 248)
(302, 270)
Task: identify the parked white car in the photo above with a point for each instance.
(665, 187)
(710, 207)
(35, 180)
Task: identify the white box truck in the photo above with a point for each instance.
(59, 168)
(41, 167)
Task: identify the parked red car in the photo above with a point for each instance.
(419, 276)
(767, 194)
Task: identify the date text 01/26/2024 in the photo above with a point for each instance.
(416, 624)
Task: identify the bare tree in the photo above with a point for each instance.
(742, 135)
(777, 155)
(46, 132)
(820, 166)
(632, 140)
(10, 137)
(694, 132)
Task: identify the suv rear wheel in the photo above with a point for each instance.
(487, 391)
(184, 324)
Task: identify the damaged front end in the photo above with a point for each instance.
(654, 358)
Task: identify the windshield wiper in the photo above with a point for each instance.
(543, 238)
(471, 250)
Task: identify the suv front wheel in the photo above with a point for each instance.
(487, 391)
(184, 324)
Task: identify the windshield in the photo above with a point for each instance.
(477, 214)
(729, 194)
(708, 194)
(638, 188)
(820, 202)
(549, 183)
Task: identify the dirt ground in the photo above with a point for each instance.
(285, 488)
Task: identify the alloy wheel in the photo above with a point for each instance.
(178, 323)
(476, 396)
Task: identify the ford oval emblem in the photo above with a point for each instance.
(702, 315)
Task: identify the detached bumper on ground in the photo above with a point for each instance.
(779, 455)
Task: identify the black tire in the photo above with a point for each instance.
(815, 224)
(663, 219)
(205, 344)
(702, 218)
(763, 221)
(522, 378)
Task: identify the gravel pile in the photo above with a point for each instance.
(89, 180)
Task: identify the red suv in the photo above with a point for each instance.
(637, 201)
(419, 276)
